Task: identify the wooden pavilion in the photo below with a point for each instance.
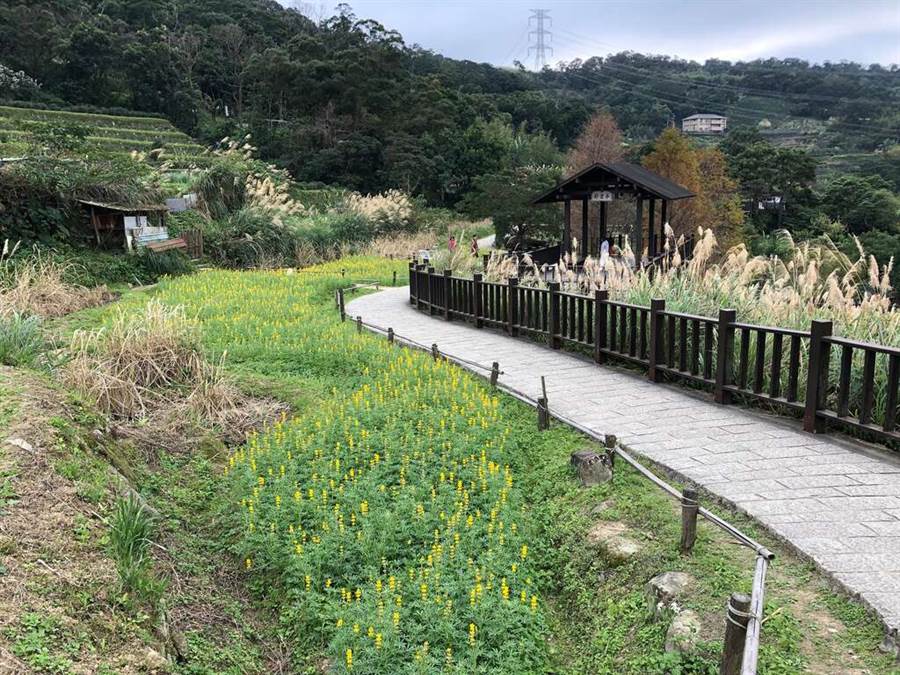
(603, 183)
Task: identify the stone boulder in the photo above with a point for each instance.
(612, 537)
(592, 467)
(664, 591)
(684, 632)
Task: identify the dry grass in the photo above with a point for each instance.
(815, 280)
(37, 286)
(150, 366)
(401, 245)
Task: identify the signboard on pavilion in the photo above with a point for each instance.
(601, 196)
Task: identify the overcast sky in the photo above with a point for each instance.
(496, 31)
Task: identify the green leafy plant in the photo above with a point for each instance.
(129, 538)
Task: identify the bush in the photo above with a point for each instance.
(20, 339)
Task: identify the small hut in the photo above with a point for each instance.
(126, 226)
(603, 183)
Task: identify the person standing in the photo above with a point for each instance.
(474, 247)
(452, 244)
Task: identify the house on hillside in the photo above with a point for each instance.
(704, 123)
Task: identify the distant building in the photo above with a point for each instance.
(704, 123)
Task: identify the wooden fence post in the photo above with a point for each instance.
(657, 339)
(476, 299)
(359, 324)
(689, 508)
(724, 368)
(390, 335)
(495, 373)
(512, 305)
(610, 441)
(543, 408)
(394, 282)
(341, 304)
(817, 376)
(485, 259)
(736, 619)
(447, 284)
(434, 351)
(600, 324)
(432, 291)
(554, 315)
(412, 283)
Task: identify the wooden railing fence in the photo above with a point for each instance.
(797, 370)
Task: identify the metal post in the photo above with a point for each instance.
(359, 324)
(657, 306)
(724, 369)
(413, 292)
(341, 304)
(394, 282)
(817, 376)
(689, 508)
(736, 618)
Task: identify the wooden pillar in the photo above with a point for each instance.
(566, 244)
(637, 239)
(603, 233)
(585, 242)
(663, 218)
(655, 245)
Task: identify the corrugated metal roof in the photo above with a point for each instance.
(626, 177)
(124, 208)
(705, 116)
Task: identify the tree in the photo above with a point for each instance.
(861, 203)
(600, 141)
(704, 172)
(674, 157)
(506, 198)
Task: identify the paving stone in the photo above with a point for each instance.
(837, 502)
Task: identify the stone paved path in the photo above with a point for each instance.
(834, 500)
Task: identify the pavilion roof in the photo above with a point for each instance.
(617, 177)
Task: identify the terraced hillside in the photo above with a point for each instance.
(25, 131)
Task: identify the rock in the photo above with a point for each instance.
(592, 468)
(612, 537)
(20, 443)
(666, 589)
(605, 505)
(684, 632)
(155, 662)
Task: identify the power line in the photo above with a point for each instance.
(687, 80)
(676, 99)
(542, 35)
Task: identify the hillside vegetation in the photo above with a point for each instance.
(25, 131)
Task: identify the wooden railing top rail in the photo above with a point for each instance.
(867, 346)
(771, 329)
(689, 317)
